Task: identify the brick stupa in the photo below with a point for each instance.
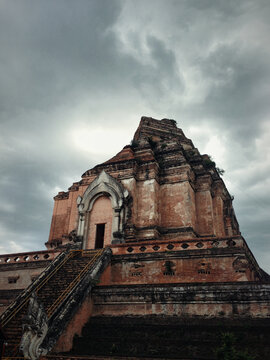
(146, 240)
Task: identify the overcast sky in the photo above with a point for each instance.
(76, 76)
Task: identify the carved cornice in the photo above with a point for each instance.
(62, 195)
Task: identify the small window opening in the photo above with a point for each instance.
(100, 231)
(169, 268)
(137, 273)
(13, 279)
(203, 271)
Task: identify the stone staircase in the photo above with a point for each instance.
(53, 289)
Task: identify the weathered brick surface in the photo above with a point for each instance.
(171, 185)
(246, 300)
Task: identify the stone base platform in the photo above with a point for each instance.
(169, 337)
(219, 300)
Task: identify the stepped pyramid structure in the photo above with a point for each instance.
(145, 258)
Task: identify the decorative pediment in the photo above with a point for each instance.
(104, 184)
(108, 186)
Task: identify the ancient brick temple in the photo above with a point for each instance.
(147, 240)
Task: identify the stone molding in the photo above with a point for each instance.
(241, 300)
(28, 257)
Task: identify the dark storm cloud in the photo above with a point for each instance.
(54, 51)
(49, 49)
(67, 66)
(159, 78)
(239, 96)
(46, 49)
(52, 55)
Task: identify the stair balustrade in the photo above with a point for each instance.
(52, 288)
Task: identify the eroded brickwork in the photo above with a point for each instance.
(173, 189)
(167, 217)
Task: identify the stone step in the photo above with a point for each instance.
(47, 295)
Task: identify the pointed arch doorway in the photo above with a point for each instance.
(100, 224)
(102, 212)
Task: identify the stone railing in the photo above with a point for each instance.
(26, 257)
(178, 245)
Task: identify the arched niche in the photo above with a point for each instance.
(104, 186)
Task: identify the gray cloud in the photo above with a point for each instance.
(53, 51)
(239, 95)
(68, 68)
